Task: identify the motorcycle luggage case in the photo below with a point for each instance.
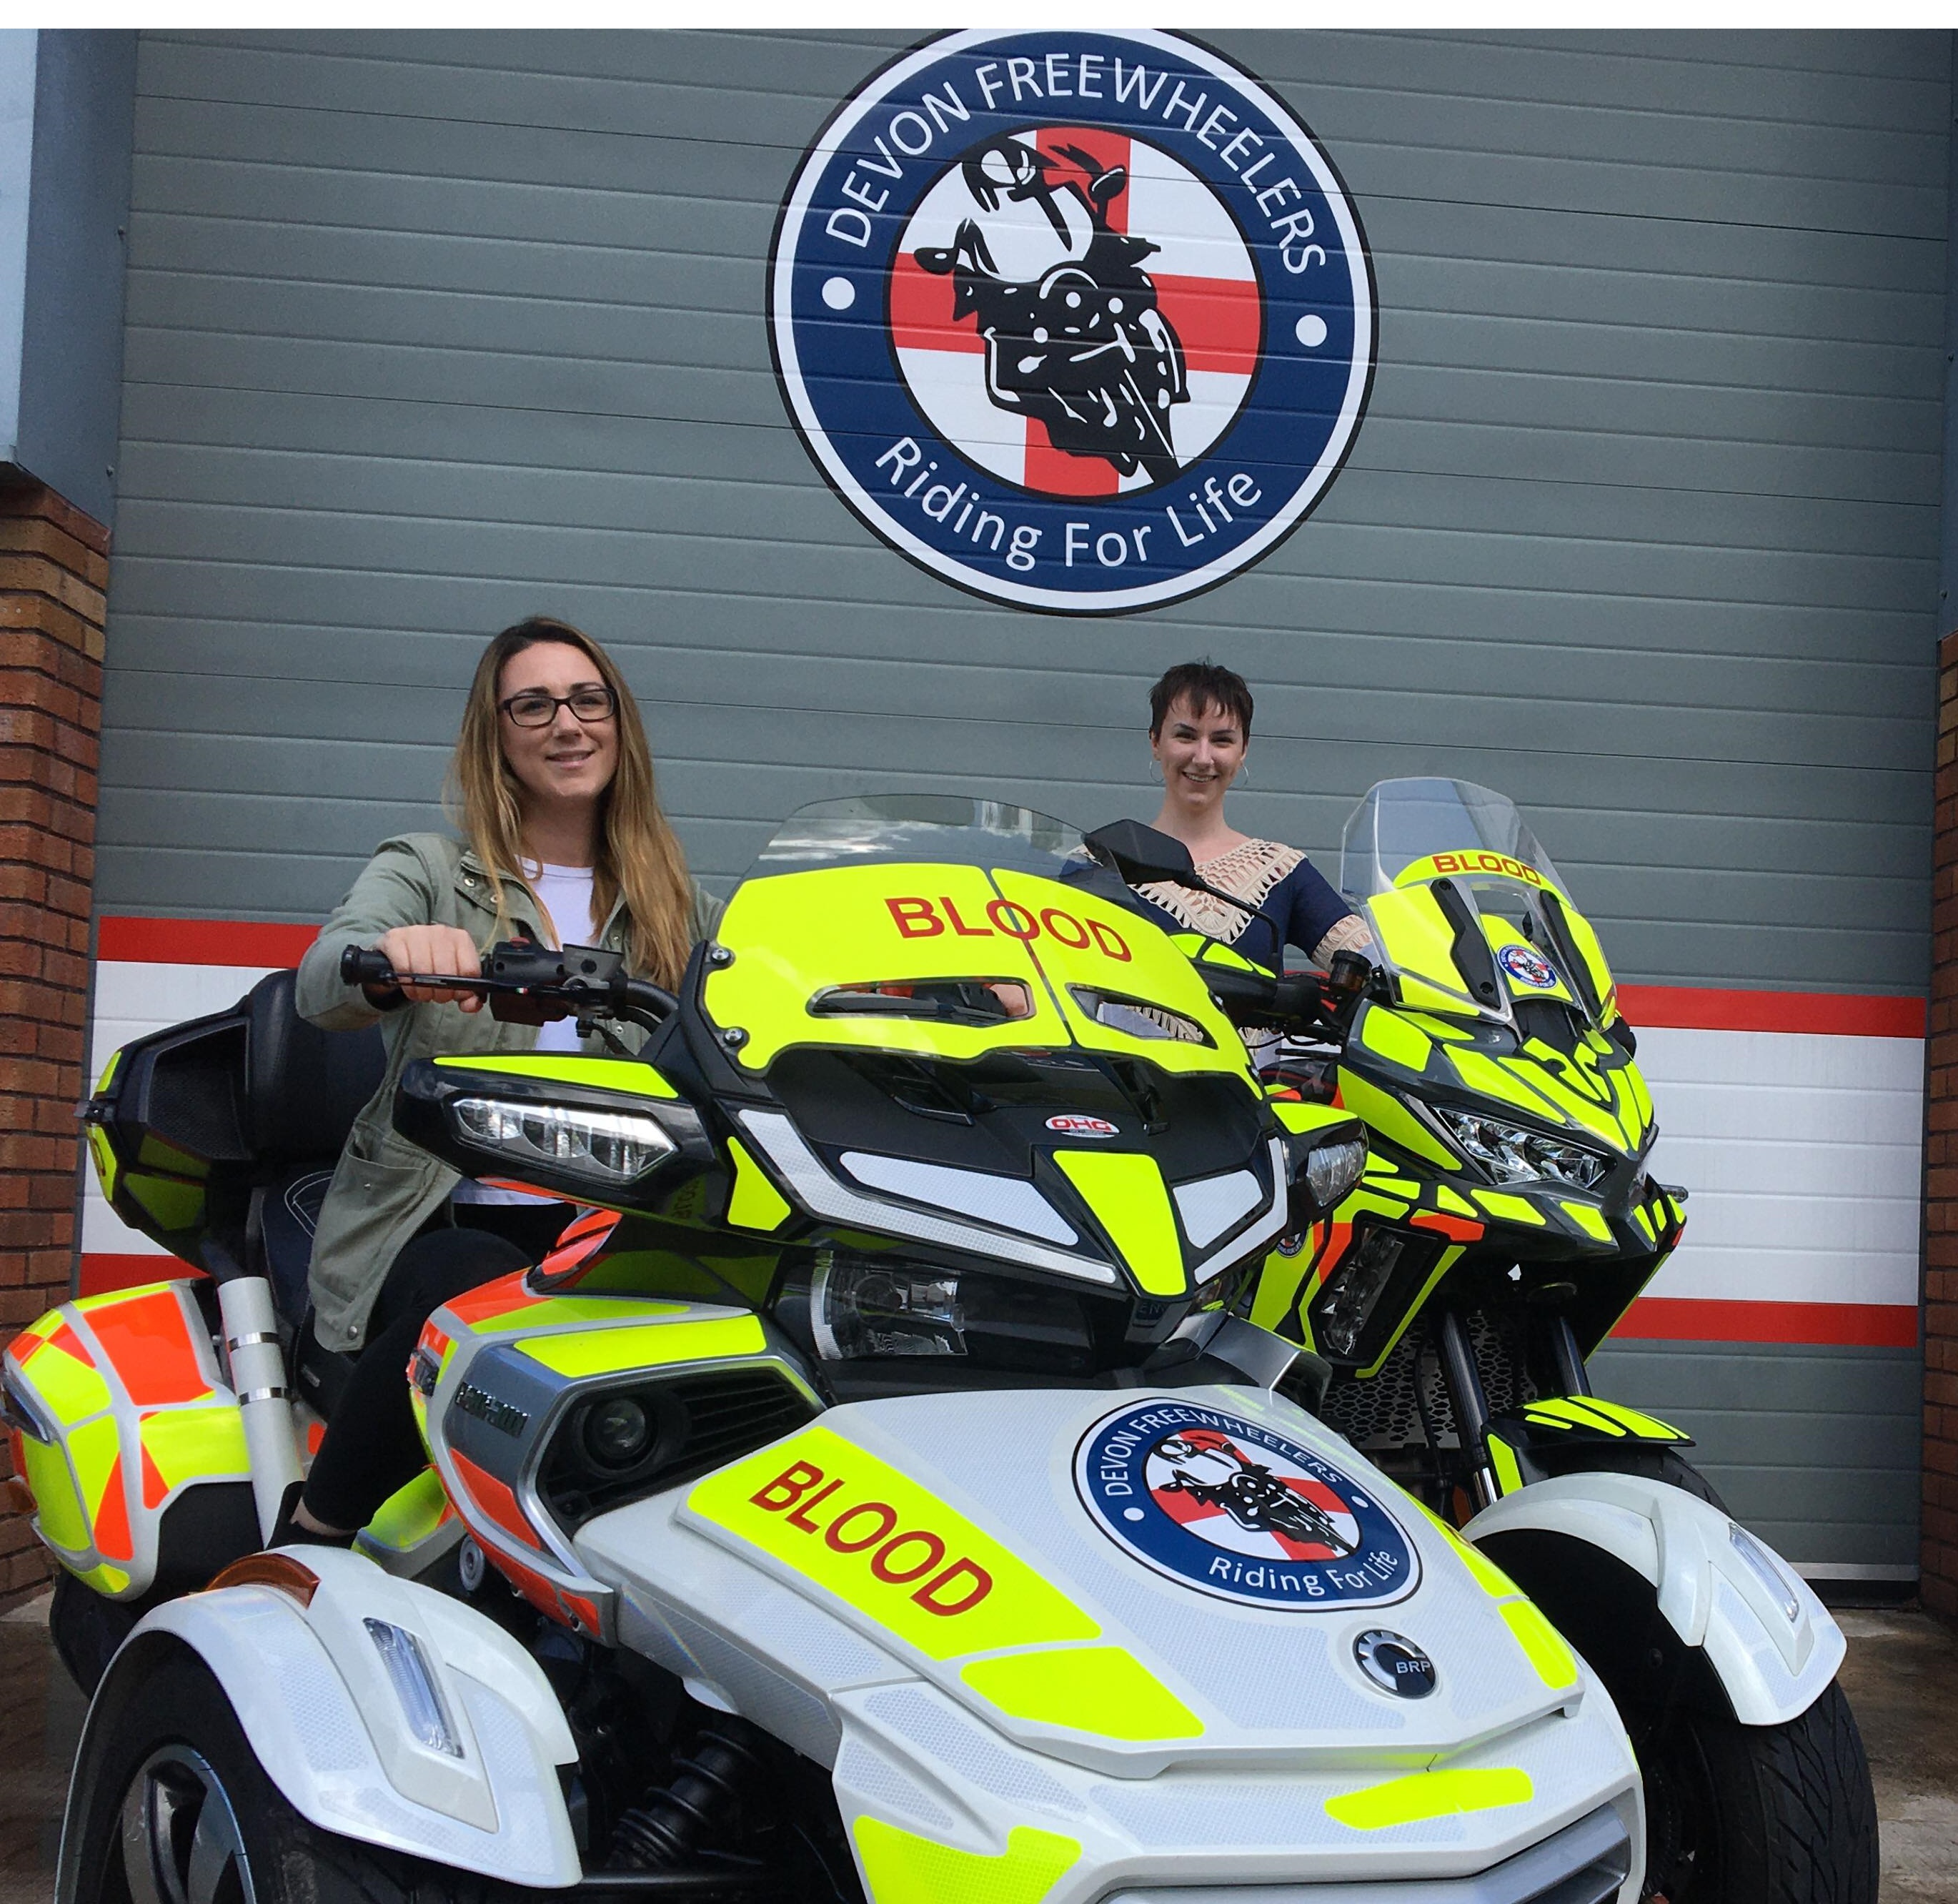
(187, 1122)
(131, 1442)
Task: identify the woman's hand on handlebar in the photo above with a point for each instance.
(430, 949)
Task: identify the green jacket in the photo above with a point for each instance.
(384, 1189)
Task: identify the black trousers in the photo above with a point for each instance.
(371, 1447)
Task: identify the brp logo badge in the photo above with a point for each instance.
(1080, 320)
(1395, 1665)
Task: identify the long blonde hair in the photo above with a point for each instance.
(637, 857)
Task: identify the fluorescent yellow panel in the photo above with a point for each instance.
(410, 1515)
(607, 1351)
(887, 1547)
(1503, 1459)
(71, 1389)
(1125, 954)
(754, 1203)
(1556, 1664)
(1392, 1120)
(795, 935)
(572, 1312)
(197, 1444)
(1415, 936)
(1588, 1218)
(1104, 1690)
(1125, 1189)
(1387, 1034)
(1422, 1795)
(626, 1074)
(902, 1868)
(1511, 1209)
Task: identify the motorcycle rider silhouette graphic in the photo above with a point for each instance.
(1074, 336)
(1211, 1468)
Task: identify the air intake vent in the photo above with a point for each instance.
(619, 1444)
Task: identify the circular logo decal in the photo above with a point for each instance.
(1395, 1665)
(1238, 1511)
(1079, 320)
(1528, 966)
(1075, 1123)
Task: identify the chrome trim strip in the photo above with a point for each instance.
(805, 1173)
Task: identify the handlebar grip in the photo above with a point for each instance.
(361, 965)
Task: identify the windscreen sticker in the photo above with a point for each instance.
(1525, 965)
(1238, 1511)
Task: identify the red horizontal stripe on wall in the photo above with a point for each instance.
(1842, 1325)
(202, 942)
(1846, 1014)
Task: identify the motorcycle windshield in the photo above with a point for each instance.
(950, 926)
(1468, 912)
(1403, 825)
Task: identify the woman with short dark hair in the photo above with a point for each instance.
(1199, 731)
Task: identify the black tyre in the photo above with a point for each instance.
(1760, 1814)
(170, 1806)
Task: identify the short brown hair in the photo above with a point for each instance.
(1204, 685)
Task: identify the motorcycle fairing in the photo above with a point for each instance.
(1433, 1225)
(117, 1408)
(804, 943)
(1095, 1700)
(503, 1374)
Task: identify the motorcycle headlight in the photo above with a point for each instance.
(607, 1147)
(862, 1306)
(1333, 1169)
(1514, 1155)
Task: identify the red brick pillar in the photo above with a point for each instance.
(1940, 1560)
(54, 568)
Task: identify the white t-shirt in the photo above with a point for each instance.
(565, 892)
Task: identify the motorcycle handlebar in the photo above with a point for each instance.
(363, 965)
(616, 996)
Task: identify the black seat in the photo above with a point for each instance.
(304, 1087)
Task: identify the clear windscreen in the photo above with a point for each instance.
(1404, 823)
(943, 829)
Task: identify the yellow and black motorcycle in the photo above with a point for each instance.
(1505, 1222)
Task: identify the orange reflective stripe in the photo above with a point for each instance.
(110, 1523)
(497, 1298)
(147, 1342)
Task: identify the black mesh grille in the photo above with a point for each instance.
(703, 1420)
(1385, 1411)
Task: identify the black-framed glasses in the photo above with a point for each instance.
(535, 708)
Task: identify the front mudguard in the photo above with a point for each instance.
(1767, 1642)
(312, 1692)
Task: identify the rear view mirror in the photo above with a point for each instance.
(1140, 854)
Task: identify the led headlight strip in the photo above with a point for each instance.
(803, 1170)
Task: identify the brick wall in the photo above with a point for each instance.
(1940, 1560)
(54, 568)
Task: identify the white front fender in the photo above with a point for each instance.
(1771, 1642)
(312, 1691)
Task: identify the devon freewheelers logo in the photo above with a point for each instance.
(1239, 1511)
(1080, 320)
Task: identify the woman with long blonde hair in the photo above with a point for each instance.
(551, 786)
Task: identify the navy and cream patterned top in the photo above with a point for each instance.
(1296, 906)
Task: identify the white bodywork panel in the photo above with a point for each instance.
(310, 1691)
(1773, 1665)
(1289, 1720)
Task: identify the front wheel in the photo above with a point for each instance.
(1758, 1814)
(170, 1806)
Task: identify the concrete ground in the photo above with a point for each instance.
(1901, 1678)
